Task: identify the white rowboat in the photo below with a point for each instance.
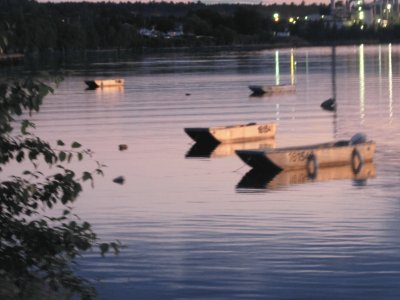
(233, 133)
(310, 157)
(93, 84)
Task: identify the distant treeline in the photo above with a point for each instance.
(36, 26)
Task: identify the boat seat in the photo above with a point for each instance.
(341, 143)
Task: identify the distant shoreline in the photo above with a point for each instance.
(19, 57)
(210, 48)
(4, 58)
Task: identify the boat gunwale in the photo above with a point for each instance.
(230, 126)
(311, 147)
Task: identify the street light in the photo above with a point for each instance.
(388, 7)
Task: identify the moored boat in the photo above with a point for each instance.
(272, 89)
(329, 104)
(233, 133)
(311, 157)
(94, 84)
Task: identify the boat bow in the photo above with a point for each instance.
(257, 159)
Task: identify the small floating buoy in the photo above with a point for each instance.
(119, 180)
(122, 147)
(329, 104)
(187, 94)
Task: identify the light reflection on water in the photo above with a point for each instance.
(189, 232)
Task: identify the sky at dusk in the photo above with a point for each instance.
(266, 2)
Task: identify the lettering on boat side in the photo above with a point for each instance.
(298, 156)
(264, 128)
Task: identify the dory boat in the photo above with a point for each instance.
(329, 104)
(353, 152)
(94, 84)
(257, 180)
(272, 89)
(233, 133)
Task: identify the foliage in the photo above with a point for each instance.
(38, 243)
(107, 25)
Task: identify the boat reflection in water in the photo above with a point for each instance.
(109, 95)
(259, 181)
(109, 89)
(208, 150)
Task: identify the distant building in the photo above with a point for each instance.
(176, 33)
(282, 34)
(375, 13)
(152, 33)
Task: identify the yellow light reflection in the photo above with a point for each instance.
(277, 67)
(109, 94)
(362, 83)
(277, 113)
(307, 63)
(390, 75)
(292, 65)
(380, 65)
(380, 70)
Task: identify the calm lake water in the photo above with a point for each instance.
(197, 225)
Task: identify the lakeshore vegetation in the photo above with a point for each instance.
(39, 244)
(136, 25)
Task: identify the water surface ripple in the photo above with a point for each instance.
(189, 231)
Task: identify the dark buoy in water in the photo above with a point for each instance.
(187, 94)
(329, 104)
(122, 147)
(119, 180)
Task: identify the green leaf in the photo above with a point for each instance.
(60, 143)
(104, 248)
(115, 247)
(33, 154)
(24, 125)
(62, 155)
(86, 176)
(20, 156)
(48, 157)
(75, 145)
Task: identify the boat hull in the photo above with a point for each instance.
(232, 134)
(322, 155)
(94, 84)
(272, 89)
